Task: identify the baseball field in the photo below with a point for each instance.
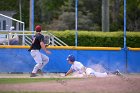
(55, 83)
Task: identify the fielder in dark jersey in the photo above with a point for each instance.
(40, 59)
(36, 42)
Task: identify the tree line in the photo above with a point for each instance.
(60, 14)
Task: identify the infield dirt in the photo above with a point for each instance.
(112, 84)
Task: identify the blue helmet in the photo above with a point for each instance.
(71, 58)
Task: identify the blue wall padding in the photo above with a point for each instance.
(20, 60)
(133, 61)
(110, 60)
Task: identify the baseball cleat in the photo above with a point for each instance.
(33, 75)
(40, 72)
(117, 72)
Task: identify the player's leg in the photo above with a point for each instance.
(91, 72)
(37, 57)
(99, 74)
(45, 60)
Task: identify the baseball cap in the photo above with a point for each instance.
(71, 58)
(38, 28)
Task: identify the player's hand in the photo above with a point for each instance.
(48, 52)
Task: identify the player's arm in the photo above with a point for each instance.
(44, 48)
(70, 71)
(32, 44)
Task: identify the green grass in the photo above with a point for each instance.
(28, 92)
(28, 80)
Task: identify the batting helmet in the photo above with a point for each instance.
(38, 28)
(71, 58)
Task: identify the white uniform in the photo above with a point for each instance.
(80, 69)
(40, 59)
(91, 72)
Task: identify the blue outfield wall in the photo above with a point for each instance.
(133, 61)
(18, 59)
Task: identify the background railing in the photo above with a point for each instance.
(25, 38)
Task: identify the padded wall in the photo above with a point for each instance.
(20, 60)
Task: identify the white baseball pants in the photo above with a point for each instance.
(40, 59)
(90, 71)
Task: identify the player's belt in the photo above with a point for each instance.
(34, 50)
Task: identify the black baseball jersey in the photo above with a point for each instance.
(36, 42)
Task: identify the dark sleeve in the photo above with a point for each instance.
(31, 46)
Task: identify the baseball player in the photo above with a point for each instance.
(40, 59)
(79, 68)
